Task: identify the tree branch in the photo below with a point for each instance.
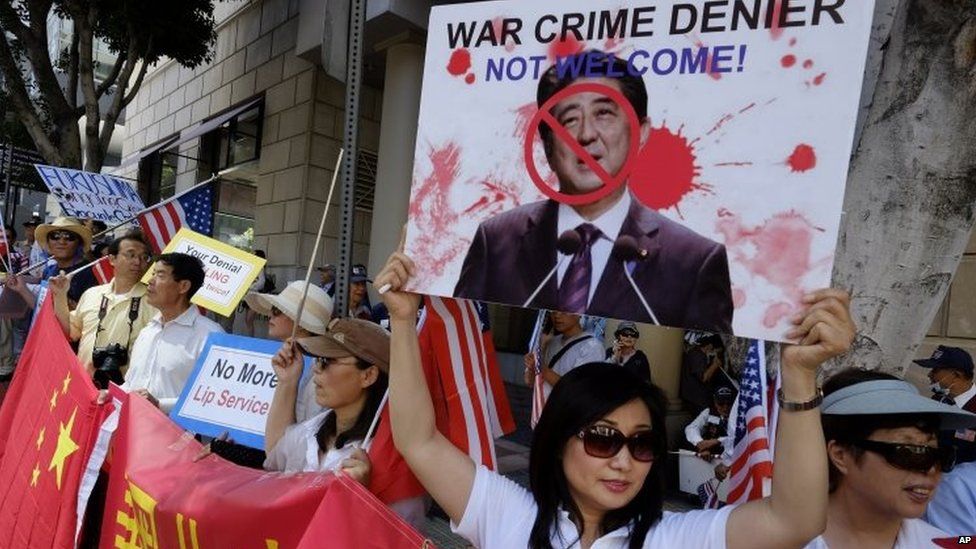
(72, 91)
(34, 41)
(112, 76)
(14, 82)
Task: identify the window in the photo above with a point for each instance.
(158, 171)
(234, 142)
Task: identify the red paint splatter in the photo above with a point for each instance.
(708, 62)
(665, 170)
(788, 61)
(727, 117)
(779, 250)
(775, 31)
(776, 312)
(460, 62)
(819, 79)
(523, 116)
(792, 42)
(565, 48)
(497, 27)
(469, 78)
(496, 196)
(738, 298)
(612, 43)
(808, 64)
(803, 159)
(431, 208)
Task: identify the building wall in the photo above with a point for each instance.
(302, 132)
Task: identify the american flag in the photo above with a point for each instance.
(752, 459)
(452, 345)
(193, 210)
(538, 386)
(103, 270)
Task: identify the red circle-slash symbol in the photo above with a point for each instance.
(610, 182)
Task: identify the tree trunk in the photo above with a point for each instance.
(909, 207)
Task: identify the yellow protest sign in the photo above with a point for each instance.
(229, 271)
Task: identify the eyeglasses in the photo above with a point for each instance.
(911, 457)
(275, 311)
(67, 236)
(602, 441)
(132, 256)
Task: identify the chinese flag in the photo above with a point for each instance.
(159, 497)
(351, 516)
(49, 427)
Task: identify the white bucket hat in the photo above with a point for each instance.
(315, 315)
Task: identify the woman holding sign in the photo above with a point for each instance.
(597, 461)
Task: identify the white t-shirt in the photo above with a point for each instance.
(914, 534)
(500, 513)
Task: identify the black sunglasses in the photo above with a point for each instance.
(275, 311)
(911, 457)
(62, 235)
(602, 441)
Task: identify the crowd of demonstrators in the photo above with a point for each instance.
(885, 460)
(108, 318)
(597, 459)
(565, 347)
(350, 376)
(625, 353)
(166, 349)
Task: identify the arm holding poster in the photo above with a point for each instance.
(604, 427)
(287, 364)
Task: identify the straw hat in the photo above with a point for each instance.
(71, 224)
(315, 315)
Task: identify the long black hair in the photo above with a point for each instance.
(582, 397)
(374, 396)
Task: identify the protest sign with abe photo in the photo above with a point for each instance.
(229, 271)
(678, 163)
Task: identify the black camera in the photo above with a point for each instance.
(108, 362)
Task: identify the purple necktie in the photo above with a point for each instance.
(574, 291)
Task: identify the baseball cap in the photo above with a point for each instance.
(948, 357)
(891, 396)
(351, 337)
(724, 394)
(627, 328)
(359, 274)
(315, 314)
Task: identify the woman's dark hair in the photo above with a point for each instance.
(581, 398)
(374, 396)
(845, 429)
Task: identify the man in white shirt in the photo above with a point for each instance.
(167, 348)
(571, 347)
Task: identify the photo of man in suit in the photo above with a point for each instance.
(683, 276)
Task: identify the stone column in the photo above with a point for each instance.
(398, 133)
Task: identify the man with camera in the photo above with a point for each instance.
(109, 317)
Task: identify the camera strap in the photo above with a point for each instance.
(133, 315)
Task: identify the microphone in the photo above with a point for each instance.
(625, 249)
(568, 244)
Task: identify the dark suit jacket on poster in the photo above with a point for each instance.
(684, 277)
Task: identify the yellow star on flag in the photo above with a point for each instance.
(66, 447)
(34, 474)
(65, 383)
(54, 399)
(40, 438)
